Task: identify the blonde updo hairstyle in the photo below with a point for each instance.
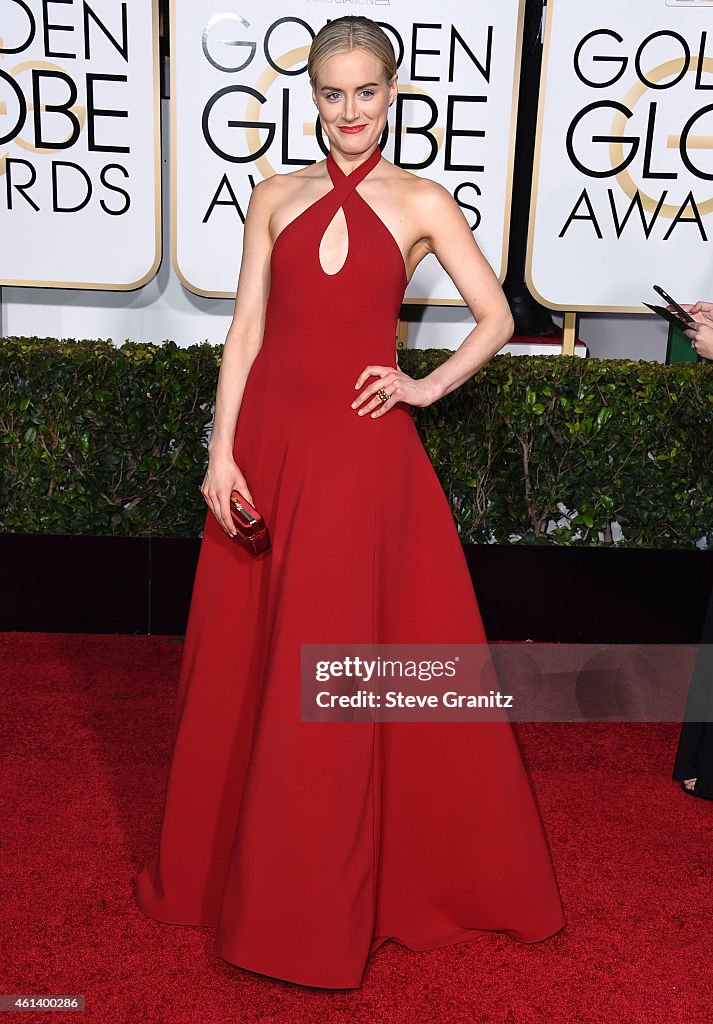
(351, 32)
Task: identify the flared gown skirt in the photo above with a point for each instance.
(309, 844)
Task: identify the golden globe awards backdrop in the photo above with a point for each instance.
(80, 160)
(242, 110)
(623, 184)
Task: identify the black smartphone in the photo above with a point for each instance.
(672, 302)
(666, 314)
(682, 320)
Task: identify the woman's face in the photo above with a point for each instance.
(353, 98)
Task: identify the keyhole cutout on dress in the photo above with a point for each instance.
(334, 245)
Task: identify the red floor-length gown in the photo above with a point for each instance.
(307, 845)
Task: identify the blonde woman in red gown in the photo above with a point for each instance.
(306, 846)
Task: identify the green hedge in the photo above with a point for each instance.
(101, 439)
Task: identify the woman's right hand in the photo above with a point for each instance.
(222, 476)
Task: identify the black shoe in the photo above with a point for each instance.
(692, 792)
(532, 320)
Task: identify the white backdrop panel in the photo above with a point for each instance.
(623, 182)
(80, 164)
(454, 121)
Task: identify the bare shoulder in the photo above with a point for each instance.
(435, 198)
(279, 189)
(270, 190)
(426, 206)
(283, 184)
(400, 176)
(421, 194)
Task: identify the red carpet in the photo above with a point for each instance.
(86, 727)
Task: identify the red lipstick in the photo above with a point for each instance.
(352, 129)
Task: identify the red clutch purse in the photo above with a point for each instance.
(252, 530)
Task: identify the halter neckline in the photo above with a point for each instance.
(359, 173)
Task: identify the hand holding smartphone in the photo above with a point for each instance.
(672, 302)
(680, 318)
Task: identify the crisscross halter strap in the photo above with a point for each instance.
(344, 184)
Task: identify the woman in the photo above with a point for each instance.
(308, 845)
(693, 765)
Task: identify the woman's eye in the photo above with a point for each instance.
(367, 93)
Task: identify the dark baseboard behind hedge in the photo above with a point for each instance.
(60, 583)
(591, 595)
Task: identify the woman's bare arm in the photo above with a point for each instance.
(451, 240)
(244, 337)
(242, 345)
(443, 230)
